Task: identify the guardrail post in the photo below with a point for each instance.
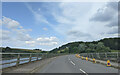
(18, 60)
(37, 56)
(92, 55)
(30, 57)
(98, 55)
(43, 56)
(46, 55)
(87, 55)
(106, 55)
(117, 55)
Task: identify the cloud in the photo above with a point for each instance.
(67, 22)
(46, 39)
(113, 32)
(4, 35)
(16, 35)
(113, 23)
(24, 37)
(108, 13)
(113, 5)
(43, 41)
(73, 10)
(75, 35)
(0, 22)
(78, 34)
(103, 15)
(14, 32)
(15, 27)
(22, 34)
(72, 20)
(108, 16)
(38, 17)
(45, 29)
(48, 44)
(29, 42)
(9, 23)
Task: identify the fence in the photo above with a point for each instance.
(113, 56)
(15, 59)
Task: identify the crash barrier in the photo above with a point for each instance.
(112, 56)
(101, 57)
(15, 59)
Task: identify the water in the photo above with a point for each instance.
(13, 64)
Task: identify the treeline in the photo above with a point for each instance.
(16, 50)
(104, 45)
(113, 43)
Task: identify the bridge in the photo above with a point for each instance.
(60, 63)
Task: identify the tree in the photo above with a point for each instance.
(102, 48)
(92, 46)
(7, 49)
(82, 47)
(37, 49)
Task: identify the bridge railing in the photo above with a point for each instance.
(15, 59)
(113, 56)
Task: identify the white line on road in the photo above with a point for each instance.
(83, 71)
(72, 62)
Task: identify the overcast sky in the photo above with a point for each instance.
(46, 25)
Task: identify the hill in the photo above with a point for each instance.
(17, 50)
(103, 45)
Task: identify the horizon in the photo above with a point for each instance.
(48, 25)
(60, 45)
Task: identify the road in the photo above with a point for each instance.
(72, 64)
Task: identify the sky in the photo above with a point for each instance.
(47, 25)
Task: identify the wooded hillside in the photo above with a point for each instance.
(103, 45)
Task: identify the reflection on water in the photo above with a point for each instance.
(13, 64)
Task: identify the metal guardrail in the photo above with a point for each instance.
(113, 56)
(15, 59)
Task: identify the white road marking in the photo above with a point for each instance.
(83, 71)
(72, 62)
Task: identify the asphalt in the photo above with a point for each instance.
(72, 64)
(62, 64)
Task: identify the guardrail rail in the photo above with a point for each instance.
(15, 59)
(112, 56)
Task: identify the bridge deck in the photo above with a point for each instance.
(63, 64)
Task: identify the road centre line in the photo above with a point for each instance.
(72, 63)
(83, 71)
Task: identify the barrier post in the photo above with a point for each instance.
(30, 58)
(108, 63)
(86, 58)
(18, 60)
(82, 58)
(94, 60)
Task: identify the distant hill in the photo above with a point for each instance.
(17, 50)
(103, 45)
(111, 42)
